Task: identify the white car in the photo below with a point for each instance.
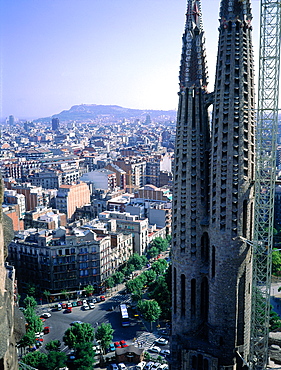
(122, 366)
(113, 367)
(162, 341)
(91, 305)
(46, 315)
(165, 352)
(85, 307)
(155, 349)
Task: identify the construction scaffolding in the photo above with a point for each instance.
(265, 177)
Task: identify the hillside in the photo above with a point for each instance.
(88, 112)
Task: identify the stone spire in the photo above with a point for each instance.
(193, 70)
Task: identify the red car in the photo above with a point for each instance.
(123, 343)
(46, 330)
(63, 305)
(68, 310)
(117, 345)
(39, 340)
(102, 298)
(79, 303)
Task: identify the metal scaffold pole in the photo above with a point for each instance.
(265, 177)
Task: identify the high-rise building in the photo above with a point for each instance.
(213, 196)
(11, 120)
(55, 124)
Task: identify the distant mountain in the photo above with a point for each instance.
(87, 112)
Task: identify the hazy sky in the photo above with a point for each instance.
(59, 53)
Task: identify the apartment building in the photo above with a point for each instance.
(71, 197)
(127, 223)
(62, 258)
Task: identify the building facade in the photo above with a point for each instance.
(213, 196)
(71, 197)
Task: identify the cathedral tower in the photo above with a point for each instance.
(213, 196)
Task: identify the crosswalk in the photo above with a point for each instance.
(124, 298)
(145, 340)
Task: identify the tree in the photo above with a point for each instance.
(89, 289)
(128, 270)
(136, 261)
(65, 293)
(153, 252)
(159, 266)
(36, 359)
(56, 360)
(28, 339)
(162, 295)
(33, 321)
(84, 356)
(143, 260)
(53, 345)
(160, 243)
(134, 285)
(136, 295)
(29, 302)
(118, 277)
(31, 290)
(150, 310)
(274, 320)
(77, 334)
(276, 261)
(47, 295)
(169, 238)
(104, 334)
(150, 276)
(109, 282)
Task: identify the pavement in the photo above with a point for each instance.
(143, 338)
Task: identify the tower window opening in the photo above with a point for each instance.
(193, 297)
(213, 261)
(182, 295)
(175, 290)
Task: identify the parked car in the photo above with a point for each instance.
(97, 350)
(68, 310)
(46, 330)
(69, 305)
(155, 366)
(113, 367)
(122, 366)
(162, 341)
(140, 365)
(84, 301)
(85, 307)
(58, 307)
(76, 322)
(111, 347)
(63, 305)
(74, 304)
(165, 352)
(155, 349)
(79, 303)
(102, 298)
(91, 305)
(123, 343)
(46, 315)
(117, 344)
(149, 365)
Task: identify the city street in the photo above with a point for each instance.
(136, 333)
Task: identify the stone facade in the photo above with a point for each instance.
(213, 196)
(12, 325)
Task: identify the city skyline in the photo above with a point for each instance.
(58, 54)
